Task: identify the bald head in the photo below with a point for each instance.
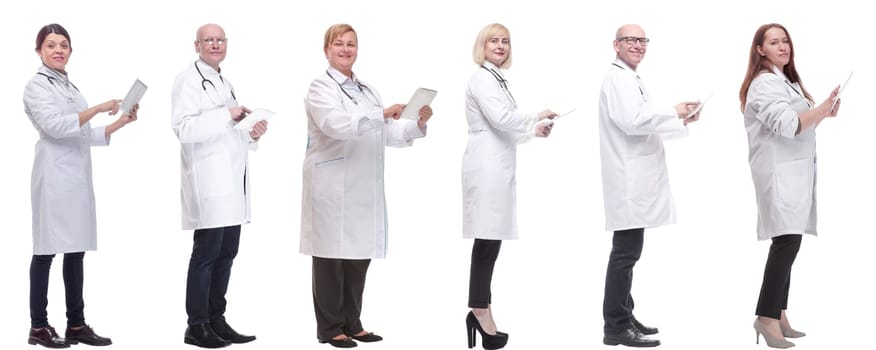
(209, 27)
(211, 44)
(629, 30)
(630, 44)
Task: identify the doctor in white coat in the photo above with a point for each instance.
(343, 209)
(62, 193)
(635, 181)
(489, 186)
(215, 189)
(780, 121)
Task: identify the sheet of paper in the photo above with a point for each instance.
(842, 88)
(421, 98)
(700, 106)
(133, 97)
(257, 115)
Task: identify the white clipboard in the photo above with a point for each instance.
(420, 98)
(135, 94)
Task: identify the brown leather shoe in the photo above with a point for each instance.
(85, 335)
(46, 337)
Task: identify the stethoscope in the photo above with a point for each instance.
(51, 79)
(502, 83)
(637, 78)
(205, 81)
(362, 88)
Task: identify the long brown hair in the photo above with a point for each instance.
(757, 63)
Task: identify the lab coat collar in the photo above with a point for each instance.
(340, 77)
(206, 68)
(493, 67)
(625, 66)
(779, 73)
(54, 74)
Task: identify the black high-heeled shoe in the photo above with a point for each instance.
(489, 342)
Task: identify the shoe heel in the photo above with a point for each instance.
(471, 337)
(756, 338)
(470, 333)
(31, 342)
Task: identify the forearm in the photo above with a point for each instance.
(113, 127)
(810, 118)
(86, 115)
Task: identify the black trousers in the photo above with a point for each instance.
(777, 276)
(617, 304)
(73, 272)
(213, 254)
(338, 285)
(484, 253)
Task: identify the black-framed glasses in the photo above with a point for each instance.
(632, 40)
(211, 41)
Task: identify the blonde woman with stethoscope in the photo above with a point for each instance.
(343, 209)
(495, 127)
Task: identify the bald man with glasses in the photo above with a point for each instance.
(634, 176)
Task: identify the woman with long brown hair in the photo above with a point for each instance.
(780, 118)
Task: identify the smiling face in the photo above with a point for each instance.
(776, 47)
(497, 49)
(55, 52)
(211, 45)
(342, 52)
(631, 53)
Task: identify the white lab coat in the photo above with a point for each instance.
(343, 208)
(635, 181)
(62, 193)
(214, 179)
(783, 165)
(489, 186)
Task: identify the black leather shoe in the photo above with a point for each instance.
(368, 337)
(85, 335)
(203, 335)
(630, 337)
(46, 337)
(643, 328)
(224, 331)
(345, 342)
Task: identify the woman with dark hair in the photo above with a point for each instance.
(780, 118)
(62, 194)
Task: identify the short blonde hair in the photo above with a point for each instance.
(488, 32)
(334, 32)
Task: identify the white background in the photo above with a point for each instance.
(697, 280)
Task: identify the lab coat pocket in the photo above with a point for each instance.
(214, 175)
(644, 178)
(793, 186)
(327, 184)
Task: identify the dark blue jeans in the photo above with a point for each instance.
(617, 305)
(73, 273)
(213, 253)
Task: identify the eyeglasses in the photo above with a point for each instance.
(211, 41)
(631, 40)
